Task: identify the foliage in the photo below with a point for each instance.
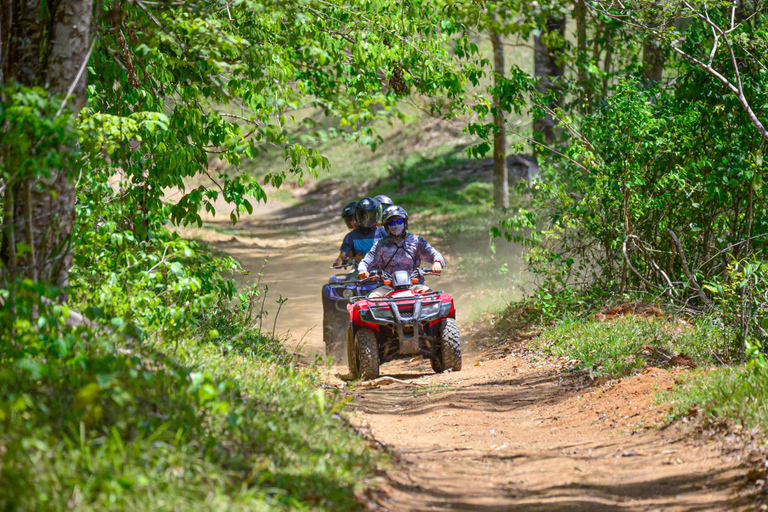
(729, 393)
(230, 80)
(741, 298)
(625, 344)
(160, 284)
(634, 171)
(207, 412)
(171, 398)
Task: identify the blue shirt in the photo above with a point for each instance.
(358, 244)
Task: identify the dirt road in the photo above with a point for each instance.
(509, 431)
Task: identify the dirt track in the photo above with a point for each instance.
(508, 431)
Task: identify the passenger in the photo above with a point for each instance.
(384, 203)
(348, 214)
(359, 241)
(400, 250)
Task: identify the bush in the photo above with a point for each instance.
(658, 195)
(170, 398)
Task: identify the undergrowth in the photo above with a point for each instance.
(734, 393)
(613, 341)
(169, 398)
(629, 343)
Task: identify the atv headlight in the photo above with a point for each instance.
(383, 312)
(431, 310)
(347, 293)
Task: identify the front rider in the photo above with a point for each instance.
(359, 241)
(400, 250)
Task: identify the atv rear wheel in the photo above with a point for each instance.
(367, 349)
(450, 347)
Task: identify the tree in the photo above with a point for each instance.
(174, 83)
(500, 170)
(721, 26)
(44, 44)
(580, 16)
(548, 68)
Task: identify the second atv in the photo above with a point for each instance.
(402, 323)
(336, 295)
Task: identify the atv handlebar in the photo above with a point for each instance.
(345, 264)
(380, 275)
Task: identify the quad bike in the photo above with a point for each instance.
(336, 295)
(402, 323)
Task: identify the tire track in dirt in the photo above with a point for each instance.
(504, 433)
(513, 433)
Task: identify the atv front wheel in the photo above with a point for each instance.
(354, 371)
(450, 347)
(367, 354)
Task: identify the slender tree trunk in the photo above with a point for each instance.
(580, 15)
(500, 170)
(48, 46)
(653, 56)
(607, 63)
(653, 60)
(547, 67)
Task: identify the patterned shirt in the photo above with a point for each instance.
(391, 255)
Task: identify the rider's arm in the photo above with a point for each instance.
(430, 254)
(345, 251)
(342, 256)
(346, 244)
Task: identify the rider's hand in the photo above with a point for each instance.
(363, 274)
(437, 267)
(338, 262)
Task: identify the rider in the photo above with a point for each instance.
(384, 203)
(400, 250)
(348, 214)
(359, 241)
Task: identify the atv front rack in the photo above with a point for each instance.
(409, 344)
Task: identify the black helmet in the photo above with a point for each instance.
(348, 214)
(384, 201)
(367, 213)
(394, 213)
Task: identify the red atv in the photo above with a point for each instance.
(402, 323)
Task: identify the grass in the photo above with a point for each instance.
(627, 344)
(100, 423)
(729, 393)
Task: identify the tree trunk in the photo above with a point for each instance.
(546, 69)
(580, 15)
(48, 46)
(500, 170)
(653, 60)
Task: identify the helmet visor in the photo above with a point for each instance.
(350, 222)
(367, 219)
